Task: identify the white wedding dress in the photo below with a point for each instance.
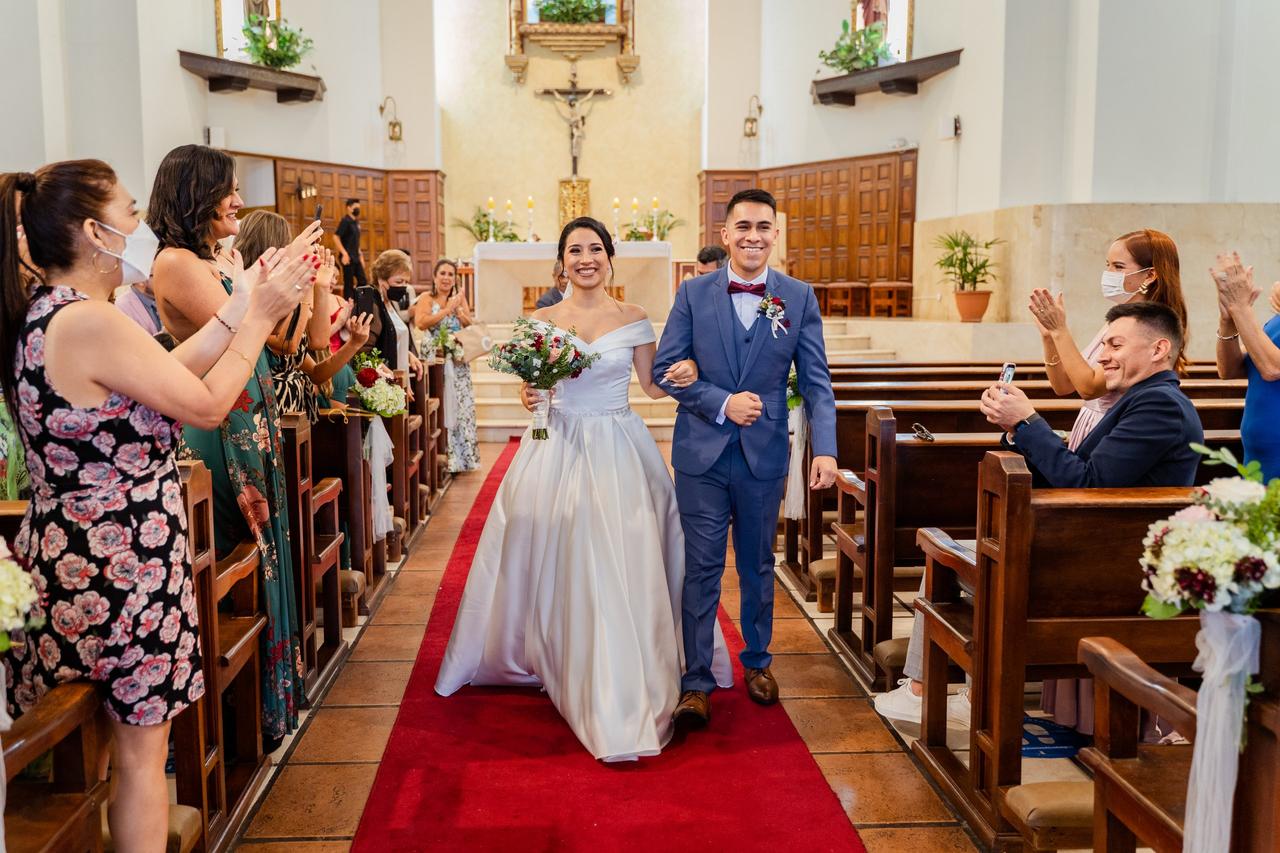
(576, 582)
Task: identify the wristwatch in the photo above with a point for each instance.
(1035, 416)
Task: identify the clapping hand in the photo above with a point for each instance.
(1050, 312)
(284, 287)
(1275, 297)
(245, 281)
(1236, 290)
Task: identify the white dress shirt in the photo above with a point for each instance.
(747, 307)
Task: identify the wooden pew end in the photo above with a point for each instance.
(823, 573)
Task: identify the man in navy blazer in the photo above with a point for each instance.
(745, 325)
(1145, 437)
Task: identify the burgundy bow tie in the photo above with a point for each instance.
(756, 289)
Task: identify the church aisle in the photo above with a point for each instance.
(317, 797)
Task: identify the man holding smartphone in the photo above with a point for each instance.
(349, 251)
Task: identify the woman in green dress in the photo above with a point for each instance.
(193, 205)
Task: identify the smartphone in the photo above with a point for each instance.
(366, 301)
(1006, 373)
(319, 212)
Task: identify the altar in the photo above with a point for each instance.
(642, 275)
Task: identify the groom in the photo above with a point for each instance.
(744, 325)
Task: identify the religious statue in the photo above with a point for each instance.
(574, 99)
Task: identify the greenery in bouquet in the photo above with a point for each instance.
(274, 44)
(1220, 553)
(480, 223)
(18, 595)
(445, 342)
(375, 385)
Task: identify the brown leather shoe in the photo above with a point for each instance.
(693, 710)
(761, 687)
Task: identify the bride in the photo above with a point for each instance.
(577, 578)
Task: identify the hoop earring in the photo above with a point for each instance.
(103, 272)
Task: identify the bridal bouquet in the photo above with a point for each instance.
(541, 359)
(18, 595)
(1218, 556)
(376, 386)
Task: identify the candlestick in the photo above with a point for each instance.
(508, 214)
(489, 205)
(653, 233)
(531, 202)
(635, 209)
(529, 236)
(616, 205)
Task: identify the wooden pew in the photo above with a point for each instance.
(428, 409)
(978, 372)
(1140, 791)
(11, 515)
(435, 384)
(1041, 579)
(219, 761)
(315, 563)
(62, 813)
(1036, 389)
(908, 483)
(337, 448)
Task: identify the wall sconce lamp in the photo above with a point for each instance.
(751, 124)
(306, 191)
(395, 130)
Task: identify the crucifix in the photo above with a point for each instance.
(569, 104)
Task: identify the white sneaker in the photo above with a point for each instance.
(900, 703)
(959, 710)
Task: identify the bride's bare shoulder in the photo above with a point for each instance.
(633, 313)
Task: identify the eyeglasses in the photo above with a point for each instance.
(921, 432)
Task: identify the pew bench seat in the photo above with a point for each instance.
(182, 835)
(36, 820)
(1051, 815)
(351, 585)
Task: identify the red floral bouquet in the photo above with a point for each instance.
(542, 358)
(375, 385)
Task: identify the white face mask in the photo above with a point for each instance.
(139, 252)
(1113, 285)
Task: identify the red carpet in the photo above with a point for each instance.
(497, 769)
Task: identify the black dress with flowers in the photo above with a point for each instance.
(105, 538)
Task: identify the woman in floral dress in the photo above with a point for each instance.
(96, 402)
(448, 306)
(193, 205)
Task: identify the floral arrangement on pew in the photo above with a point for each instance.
(376, 386)
(18, 595)
(542, 358)
(447, 346)
(1218, 556)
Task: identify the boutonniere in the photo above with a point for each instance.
(773, 309)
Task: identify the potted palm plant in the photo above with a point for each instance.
(965, 263)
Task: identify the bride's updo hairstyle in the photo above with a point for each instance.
(593, 225)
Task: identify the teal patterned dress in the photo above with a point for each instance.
(249, 502)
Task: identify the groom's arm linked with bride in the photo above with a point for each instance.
(730, 448)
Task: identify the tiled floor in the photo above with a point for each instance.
(324, 773)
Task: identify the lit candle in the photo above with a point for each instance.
(529, 236)
(655, 202)
(635, 204)
(508, 204)
(531, 202)
(489, 205)
(635, 211)
(653, 220)
(616, 203)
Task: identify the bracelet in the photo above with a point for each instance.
(1053, 363)
(1228, 337)
(224, 323)
(243, 356)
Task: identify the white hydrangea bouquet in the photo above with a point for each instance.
(18, 595)
(1218, 556)
(376, 387)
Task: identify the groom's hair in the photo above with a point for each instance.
(754, 194)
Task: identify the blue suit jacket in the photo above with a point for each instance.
(1143, 440)
(700, 327)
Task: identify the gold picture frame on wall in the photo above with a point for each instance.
(900, 21)
(237, 12)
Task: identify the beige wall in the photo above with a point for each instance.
(1064, 246)
(498, 139)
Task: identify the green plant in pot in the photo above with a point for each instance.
(856, 50)
(966, 264)
(478, 227)
(571, 11)
(274, 44)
